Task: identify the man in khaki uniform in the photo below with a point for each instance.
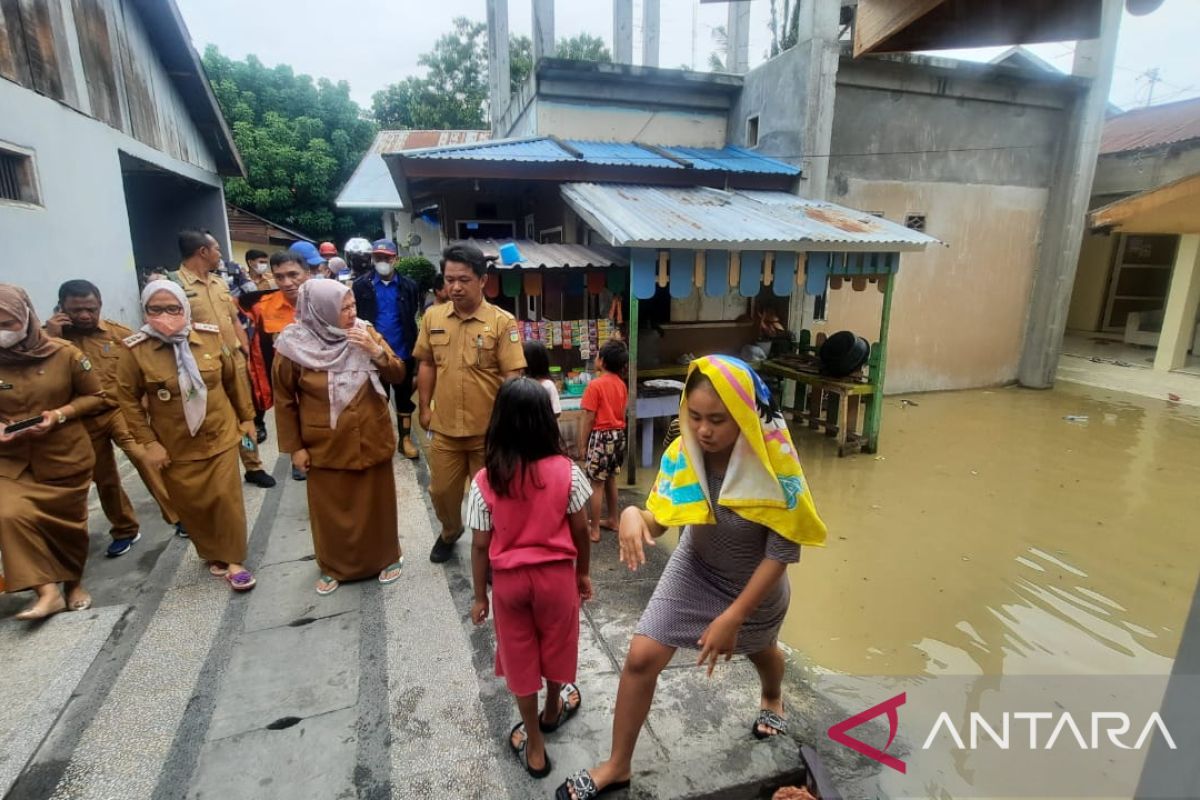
(212, 304)
(466, 349)
(79, 322)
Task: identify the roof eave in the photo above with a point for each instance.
(173, 44)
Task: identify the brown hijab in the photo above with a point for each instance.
(36, 345)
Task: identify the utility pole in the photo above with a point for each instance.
(1152, 76)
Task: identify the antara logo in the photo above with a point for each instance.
(1112, 726)
(839, 735)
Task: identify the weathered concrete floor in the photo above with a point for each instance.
(371, 692)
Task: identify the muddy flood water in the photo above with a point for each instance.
(992, 537)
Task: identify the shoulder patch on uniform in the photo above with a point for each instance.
(85, 363)
(137, 338)
(513, 336)
(207, 327)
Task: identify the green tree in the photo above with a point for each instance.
(299, 140)
(453, 92)
(584, 47)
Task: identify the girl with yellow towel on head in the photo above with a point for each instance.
(733, 481)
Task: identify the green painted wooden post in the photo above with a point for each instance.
(875, 415)
(633, 447)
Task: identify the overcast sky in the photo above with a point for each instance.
(372, 43)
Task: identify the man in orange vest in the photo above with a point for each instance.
(275, 310)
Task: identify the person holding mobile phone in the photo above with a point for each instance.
(45, 468)
(199, 411)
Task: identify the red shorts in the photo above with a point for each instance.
(536, 611)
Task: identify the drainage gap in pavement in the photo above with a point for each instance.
(283, 723)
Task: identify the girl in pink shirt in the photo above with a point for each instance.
(527, 508)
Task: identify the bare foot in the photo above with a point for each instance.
(608, 525)
(78, 598)
(46, 606)
(594, 534)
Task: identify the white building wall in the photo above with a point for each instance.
(81, 227)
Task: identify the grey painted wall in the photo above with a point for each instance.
(775, 92)
(947, 125)
(1121, 174)
(81, 228)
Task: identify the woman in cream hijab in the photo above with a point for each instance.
(199, 415)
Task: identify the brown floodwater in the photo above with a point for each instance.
(992, 536)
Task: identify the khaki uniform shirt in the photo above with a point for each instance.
(364, 435)
(147, 369)
(211, 304)
(103, 348)
(26, 390)
(262, 282)
(472, 355)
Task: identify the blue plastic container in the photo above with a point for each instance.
(509, 254)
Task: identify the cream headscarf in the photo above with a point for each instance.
(36, 345)
(191, 382)
(316, 342)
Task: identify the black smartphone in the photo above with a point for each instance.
(25, 424)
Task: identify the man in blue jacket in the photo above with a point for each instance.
(390, 301)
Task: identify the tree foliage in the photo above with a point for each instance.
(583, 47)
(299, 140)
(785, 36)
(453, 93)
(420, 269)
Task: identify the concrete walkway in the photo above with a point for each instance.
(174, 687)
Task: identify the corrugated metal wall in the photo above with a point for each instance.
(96, 57)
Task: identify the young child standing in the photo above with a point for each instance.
(602, 433)
(527, 511)
(537, 366)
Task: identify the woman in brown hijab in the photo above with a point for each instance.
(45, 470)
(332, 415)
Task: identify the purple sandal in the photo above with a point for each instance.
(241, 581)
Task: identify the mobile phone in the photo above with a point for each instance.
(25, 424)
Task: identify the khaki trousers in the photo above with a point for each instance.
(250, 459)
(114, 501)
(453, 460)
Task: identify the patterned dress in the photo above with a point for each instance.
(708, 570)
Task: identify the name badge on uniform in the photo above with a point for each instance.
(4, 386)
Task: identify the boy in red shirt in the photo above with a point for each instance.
(602, 434)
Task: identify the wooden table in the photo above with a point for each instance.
(851, 395)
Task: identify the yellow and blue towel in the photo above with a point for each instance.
(763, 483)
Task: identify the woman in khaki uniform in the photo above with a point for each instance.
(46, 470)
(332, 415)
(195, 402)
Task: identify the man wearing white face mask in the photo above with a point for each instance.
(390, 301)
(259, 265)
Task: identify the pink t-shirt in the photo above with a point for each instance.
(531, 526)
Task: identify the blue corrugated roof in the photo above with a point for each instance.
(616, 154)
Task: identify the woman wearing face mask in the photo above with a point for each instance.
(199, 414)
(332, 415)
(45, 470)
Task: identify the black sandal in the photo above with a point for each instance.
(771, 720)
(585, 787)
(565, 710)
(522, 754)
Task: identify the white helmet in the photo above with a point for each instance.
(358, 245)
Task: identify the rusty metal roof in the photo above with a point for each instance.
(701, 217)
(371, 185)
(1152, 127)
(552, 256)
